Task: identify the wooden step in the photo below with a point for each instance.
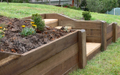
(92, 49)
(51, 22)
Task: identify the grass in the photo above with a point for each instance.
(105, 63)
(20, 10)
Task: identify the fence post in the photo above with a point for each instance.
(104, 35)
(114, 26)
(82, 58)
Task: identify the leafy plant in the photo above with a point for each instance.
(28, 31)
(66, 5)
(38, 21)
(1, 36)
(73, 7)
(86, 15)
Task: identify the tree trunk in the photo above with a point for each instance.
(1, 0)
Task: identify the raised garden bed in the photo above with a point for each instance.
(14, 42)
(63, 50)
(63, 54)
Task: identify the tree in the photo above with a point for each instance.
(101, 5)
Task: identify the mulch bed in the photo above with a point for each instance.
(14, 42)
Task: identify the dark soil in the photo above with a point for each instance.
(16, 43)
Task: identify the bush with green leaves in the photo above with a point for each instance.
(86, 15)
(28, 31)
(101, 5)
(19, 1)
(1, 36)
(38, 21)
(66, 5)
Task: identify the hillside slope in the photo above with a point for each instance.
(20, 10)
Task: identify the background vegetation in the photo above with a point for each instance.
(20, 10)
(101, 5)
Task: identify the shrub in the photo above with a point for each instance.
(66, 5)
(73, 7)
(28, 31)
(101, 5)
(38, 21)
(119, 3)
(20, 1)
(86, 15)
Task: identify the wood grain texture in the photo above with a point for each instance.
(98, 50)
(114, 25)
(109, 28)
(74, 68)
(35, 56)
(57, 64)
(109, 41)
(104, 36)
(96, 39)
(92, 47)
(3, 55)
(110, 34)
(82, 48)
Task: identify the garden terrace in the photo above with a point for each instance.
(68, 52)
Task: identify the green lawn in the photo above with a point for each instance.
(105, 63)
(20, 10)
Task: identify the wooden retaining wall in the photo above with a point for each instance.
(55, 58)
(95, 30)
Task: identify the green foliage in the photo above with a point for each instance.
(86, 15)
(28, 31)
(66, 5)
(38, 21)
(1, 36)
(83, 3)
(119, 3)
(101, 5)
(20, 1)
(73, 7)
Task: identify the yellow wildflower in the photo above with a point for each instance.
(32, 22)
(3, 35)
(23, 26)
(34, 25)
(0, 27)
(32, 31)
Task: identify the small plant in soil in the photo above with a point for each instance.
(28, 31)
(38, 21)
(86, 15)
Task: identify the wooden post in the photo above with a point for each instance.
(114, 26)
(103, 35)
(82, 48)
